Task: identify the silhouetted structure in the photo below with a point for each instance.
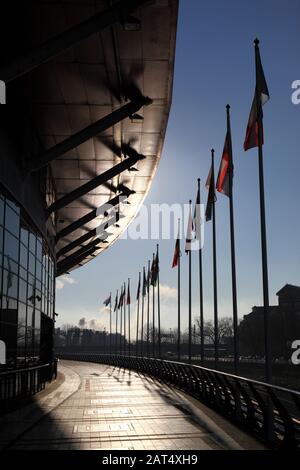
(284, 325)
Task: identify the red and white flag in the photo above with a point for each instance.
(261, 96)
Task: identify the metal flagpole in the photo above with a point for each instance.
(110, 325)
(178, 298)
(148, 311)
(121, 322)
(158, 302)
(200, 278)
(268, 362)
(190, 296)
(124, 316)
(232, 242)
(142, 326)
(216, 326)
(116, 341)
(129, 348)
(153, 307)
(137, 315)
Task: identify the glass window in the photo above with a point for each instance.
(1, 211)
(0, 285)
(31, 266)
(39, 249)
(13, 205)
(31, 279)
(11, 246)
(26, 281)
(9, 304)
(23, 273)
(37, 336)
(12, 221)
(1, 241)
(37, 322)
(38, 270)
(21, 329)
(23, 256)
(22, 290)
(24, 236)
(10, 265)
(29, 330)
(10, 284)
(32, 240)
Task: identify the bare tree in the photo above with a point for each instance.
(225, 331)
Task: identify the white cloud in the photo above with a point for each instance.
(59, 284)
(167, 293)
(63, 280)
(91, 324)
(104, 309)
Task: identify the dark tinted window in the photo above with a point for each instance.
(12, 221)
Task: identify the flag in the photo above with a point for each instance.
(128, 300)
(139, 288)
(144, 283)
(154, 271)
(197, 220)
(107, 301)
(121, 298)
(223, 180)
(176, 253)
(148, 278)
(189, 233)
(116, 302)
(256, 114)
(211, 199)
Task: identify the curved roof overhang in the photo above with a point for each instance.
(100, 103)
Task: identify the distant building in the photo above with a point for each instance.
(284, 325)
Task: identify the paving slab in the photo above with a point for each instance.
(104, 407)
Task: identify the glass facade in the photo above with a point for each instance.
(27, 284)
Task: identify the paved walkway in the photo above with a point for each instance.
(102, 407)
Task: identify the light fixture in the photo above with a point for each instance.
(136, 118)
(131, 23)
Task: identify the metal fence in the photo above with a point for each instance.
(23, 382)
(269, 412)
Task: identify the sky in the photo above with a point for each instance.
(214, 66)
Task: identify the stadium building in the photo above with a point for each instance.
(88, 88)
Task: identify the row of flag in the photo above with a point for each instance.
(149, 279)
(223, 184)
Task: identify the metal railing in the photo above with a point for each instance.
(269, 412)
(23, 382)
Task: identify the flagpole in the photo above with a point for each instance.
(216, 332)
(190, 298)
(121, 322)
(200, 280)
(268, 362)
(153, 308)
(142, 326)
(158, 302)
(178, 294)
(116, 342)
(110, 325)
(137, 316)
(129, 348)
(148, 310)
(124, 317)
(232, 241)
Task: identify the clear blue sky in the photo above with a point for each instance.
(215, 66)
